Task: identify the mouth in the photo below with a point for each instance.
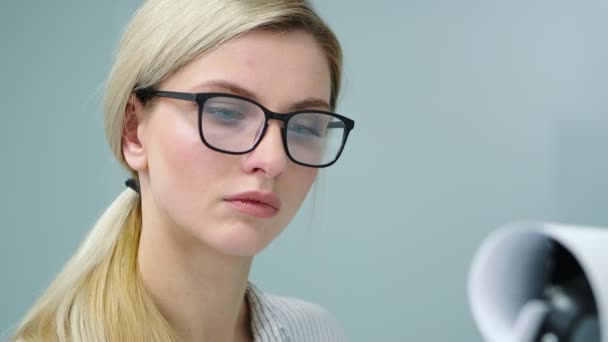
(255, 203)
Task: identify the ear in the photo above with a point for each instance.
(132, 135)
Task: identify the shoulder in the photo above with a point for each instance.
(305, 321)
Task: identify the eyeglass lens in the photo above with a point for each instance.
(235, 125)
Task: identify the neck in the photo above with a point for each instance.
(199, 291)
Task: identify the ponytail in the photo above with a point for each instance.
(99, 295)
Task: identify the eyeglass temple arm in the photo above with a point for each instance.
(335, 125)
(175, 95)
(346, 123)
(147, 94)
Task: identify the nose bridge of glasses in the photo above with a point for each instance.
(271, 144)
(267, 128)
(281, 118)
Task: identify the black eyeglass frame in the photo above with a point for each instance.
(146, 94)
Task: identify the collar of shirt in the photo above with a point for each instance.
(266, 326)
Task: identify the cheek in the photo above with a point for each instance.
(181, 168)
(298, 184)
(175, 148)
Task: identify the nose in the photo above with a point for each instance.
(269, 156)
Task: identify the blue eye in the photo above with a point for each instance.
(306, 131)
(224, 114)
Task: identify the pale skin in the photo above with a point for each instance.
(195, 251)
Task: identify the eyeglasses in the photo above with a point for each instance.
(234, 124)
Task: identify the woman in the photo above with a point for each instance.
(191, 111)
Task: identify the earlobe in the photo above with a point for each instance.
(132, 142)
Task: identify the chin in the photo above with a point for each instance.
(241, 249)
(243, 241)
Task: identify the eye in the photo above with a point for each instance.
(306, 130)
(224, 113)
(309, 125)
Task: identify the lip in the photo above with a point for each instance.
(255, 203)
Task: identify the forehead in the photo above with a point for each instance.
(277, 67)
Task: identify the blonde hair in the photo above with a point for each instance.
(99, 295)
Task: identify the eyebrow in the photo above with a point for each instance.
(307, 103)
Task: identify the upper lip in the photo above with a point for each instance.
(268, 198)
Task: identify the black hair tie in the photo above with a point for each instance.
(133, 184)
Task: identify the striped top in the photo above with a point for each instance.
(283, 319)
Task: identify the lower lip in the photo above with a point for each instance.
(252, 208)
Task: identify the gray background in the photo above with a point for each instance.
(470, 114)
